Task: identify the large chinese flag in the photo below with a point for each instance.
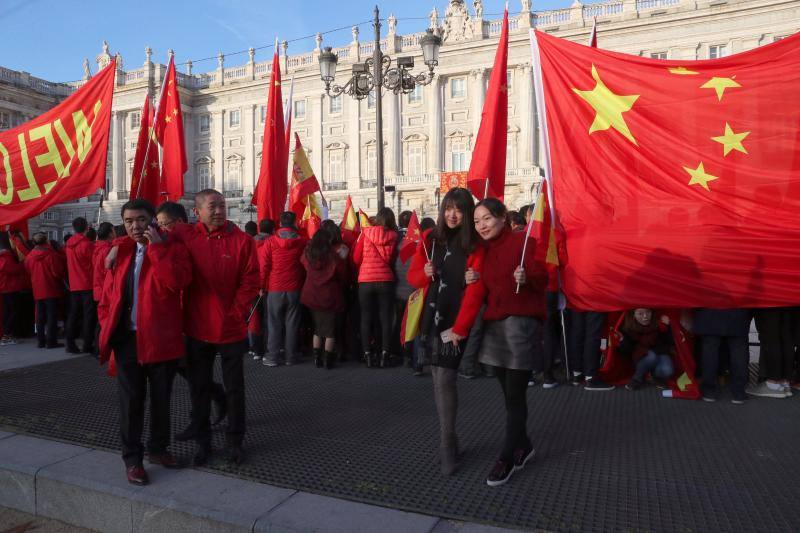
(487, 168)
(169, 131)
(271, 189)
(145, 178)
(58, 156)
(677, 183)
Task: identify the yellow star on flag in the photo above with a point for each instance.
(168, 119)
(609, 107)
(175, 111)
(731, 141)
(699, 176)
(719, 85)
(154, 164)
(682, 71)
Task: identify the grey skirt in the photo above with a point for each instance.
(514, 342)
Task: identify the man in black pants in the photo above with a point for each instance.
(141, 298)
(80, 252)
(584, 334)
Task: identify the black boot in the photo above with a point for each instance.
(368, 359)
(330, 359)
(385, 359)
(318, 357)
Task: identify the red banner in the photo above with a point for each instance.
(58, 156)
(451, 180)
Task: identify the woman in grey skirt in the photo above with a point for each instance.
(512, 325)
(442, 259)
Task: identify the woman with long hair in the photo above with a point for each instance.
(443, 258)
(374, 254)
(514, 292)
(323, 294)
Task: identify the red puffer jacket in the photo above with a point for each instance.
(13, 276)
(166, 271)
(79, 262)
(48, 270)
(323, 289)
(374, 253)
(279, 258)
(101, 249)
(224, 284)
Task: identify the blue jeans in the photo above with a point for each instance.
(659, 365)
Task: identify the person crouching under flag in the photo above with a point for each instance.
(141, 298)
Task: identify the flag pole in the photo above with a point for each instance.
(100, 206)
(525, 246)
(486, 189)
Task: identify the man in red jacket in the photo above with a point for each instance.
(103, 245)
(12, 281)
(141, 298)
(47, 269)
(282, 278)
(81, 305)
(216, 308)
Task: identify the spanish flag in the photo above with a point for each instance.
(543, 231)
(349, 220)
(412, 316)
(363, 219)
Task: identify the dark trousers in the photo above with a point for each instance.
(740, 356)
(584, 331)
(552, 335)
(47, 321)
(200, 369)
(376, 300)
(515, 386)
(284, 323)
(9, 312)
(81, 305)
(776, 331)
(133, 380)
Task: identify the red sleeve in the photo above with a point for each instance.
(265, 263)
(172, 267)
(358, 251)
(247, 288)
(416, 270)
(474, 295)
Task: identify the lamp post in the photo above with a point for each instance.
(375, 73)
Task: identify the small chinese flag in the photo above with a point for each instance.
(412, 237)
(169, 132)
(146, 175)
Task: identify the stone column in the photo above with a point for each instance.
(436, 125)
(219, 152)
(189, 179)
(249, 177)
(353, 125)
(395, 151)
(528, 125)
(118, 152)
(317, 134)
(478, 78)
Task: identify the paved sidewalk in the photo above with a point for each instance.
(26, 354)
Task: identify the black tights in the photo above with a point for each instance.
(515, 387)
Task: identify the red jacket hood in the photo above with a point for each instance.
(379, 234)
(288, 238)
(76, 240)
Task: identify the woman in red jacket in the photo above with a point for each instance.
(12, 281)
(442, 259)
(512, 338)
(374, 253)
(323, 294)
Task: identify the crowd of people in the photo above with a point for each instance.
(157, 296)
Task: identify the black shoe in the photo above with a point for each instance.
(368, 359)
(500, 473)
(522, 456)
(202, 455)
(56, 345)
(548, 381)
(418, 371)
(187, 434)
(88, 349)
(467, 375)
(633, 384)
(235, 455)
(71, 348)
(577, 379)
(40, 345)
(329, 360)
(385, 359)
(318, 357)
(597, 384)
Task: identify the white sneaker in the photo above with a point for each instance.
(764, 390)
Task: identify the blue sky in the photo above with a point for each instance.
(50, 38)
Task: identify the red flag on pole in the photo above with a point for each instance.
(487, 170)
(146, 178)
(270, 194)
(676, 183)
(412, 237)
(169, 132)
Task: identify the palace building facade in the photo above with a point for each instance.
(426, 132)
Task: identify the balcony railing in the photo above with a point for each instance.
(233, 193)
(366, 184)
(334, 186)
(123, 195)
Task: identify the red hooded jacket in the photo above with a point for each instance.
(323, 289)
(13, 276)
(279, 258)
(166, 270)
(101, 249)
(79, 262)
(374, 253)
(224, 285)
(48, 270)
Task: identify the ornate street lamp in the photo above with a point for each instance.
(377, 73)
